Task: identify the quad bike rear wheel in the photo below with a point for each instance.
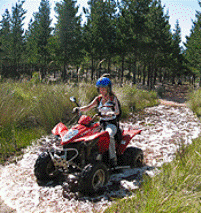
(93, 177)
(44, 168)
(132, 157)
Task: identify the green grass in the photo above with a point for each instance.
(13, 140)
(178, 186)
(28, 110)
(133, 99)
(176, 189)
(195, 102)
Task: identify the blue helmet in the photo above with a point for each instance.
(104, 82)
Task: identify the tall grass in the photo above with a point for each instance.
(176, 189)
(13, 107)
(195, 102)
(28, 110)
(133, 99)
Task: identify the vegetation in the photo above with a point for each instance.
(193, 48)
(195, 102)
(131, 40)
(29, 110)
(133, 99)
(176, 189)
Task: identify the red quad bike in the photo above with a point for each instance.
(84, 154)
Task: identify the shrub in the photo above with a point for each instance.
(195, 102)
(133, 99)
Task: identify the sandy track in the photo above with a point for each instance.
(164, 127)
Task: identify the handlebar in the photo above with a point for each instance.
(76, 110)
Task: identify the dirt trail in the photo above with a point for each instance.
(3, 207)
(176, 94)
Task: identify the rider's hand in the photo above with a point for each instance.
(94, 117)
(76, 109)
(110, 114)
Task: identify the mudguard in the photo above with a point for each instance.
(127, 135)
(60, 129)
(103, 140)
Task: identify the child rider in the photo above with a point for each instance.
(108, 108)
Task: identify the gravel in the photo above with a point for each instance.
(165, 129)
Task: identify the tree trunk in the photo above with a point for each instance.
(173, 79)
(86, 80)
(148, 79)
(144, 75)
(200, 82)
(92, 68)
(109, 64)
(155, 75)
(77, 74)
(151, 86)
(64, 71)
(134, 72)
(139, 74)
(100, 70)
(160, 75)
(122, 70)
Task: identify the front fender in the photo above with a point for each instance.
(103, 140)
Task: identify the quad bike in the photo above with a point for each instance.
(84, 154)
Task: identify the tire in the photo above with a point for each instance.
(93, 177)
(44, 168)
(133, 157)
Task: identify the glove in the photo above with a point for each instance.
(76, 110)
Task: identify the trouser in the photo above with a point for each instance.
(112, 130)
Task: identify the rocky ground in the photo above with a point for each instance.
(165, 128)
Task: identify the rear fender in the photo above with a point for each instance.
(131, 133)
(127, 135)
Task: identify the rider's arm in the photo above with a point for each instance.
(90, 106)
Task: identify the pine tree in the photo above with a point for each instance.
(106, 32)
(37, 38)
(100, 32)
(157, 41)
(122, 40)
(89, 35)
(131, 31)
(68, 31)
(31, 56)
(5, 37)
(44, 33)
(193, 47)
(17, 37)
(177, 58)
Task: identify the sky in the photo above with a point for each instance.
(182, 10)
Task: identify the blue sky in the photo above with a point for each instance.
(182, 10)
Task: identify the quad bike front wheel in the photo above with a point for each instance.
(44, 168)
(93, 177)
